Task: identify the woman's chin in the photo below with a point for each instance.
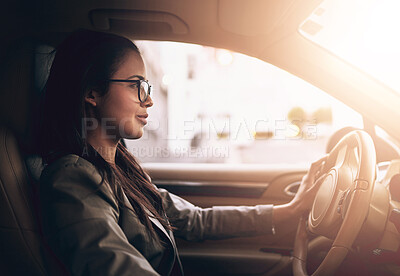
(133, 135)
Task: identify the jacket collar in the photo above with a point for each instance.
(168, 234)
(155, 222)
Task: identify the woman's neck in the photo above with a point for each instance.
(105, 146)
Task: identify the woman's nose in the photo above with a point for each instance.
(148, 102)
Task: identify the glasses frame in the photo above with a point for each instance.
(139, 85)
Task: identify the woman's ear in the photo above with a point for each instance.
(92, 98)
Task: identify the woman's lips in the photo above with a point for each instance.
(142, 118)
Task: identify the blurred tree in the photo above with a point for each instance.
(297, 116)
(323, 115)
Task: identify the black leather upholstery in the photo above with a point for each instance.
(23, 75)
(20, 240)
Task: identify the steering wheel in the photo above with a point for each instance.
(341, 204)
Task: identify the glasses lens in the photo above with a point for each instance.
(144, 91)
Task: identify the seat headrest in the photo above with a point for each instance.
(22, 78)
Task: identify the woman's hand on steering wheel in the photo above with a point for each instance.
(310, 183)
(305, 195)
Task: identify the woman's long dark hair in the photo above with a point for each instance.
(82, 63)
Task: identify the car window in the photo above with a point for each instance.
(216, 106)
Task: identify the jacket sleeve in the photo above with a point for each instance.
(80, 221)
(219, 222)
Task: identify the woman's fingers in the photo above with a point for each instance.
(318, 165)
(311, 181)
(310, 185)
(317, 183)
(317, 168)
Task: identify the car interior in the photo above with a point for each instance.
(360, 238)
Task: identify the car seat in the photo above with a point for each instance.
(22, 76)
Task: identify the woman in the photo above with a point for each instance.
(101, 214)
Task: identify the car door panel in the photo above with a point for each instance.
(213, 189)
(247, 262)
(207, 185)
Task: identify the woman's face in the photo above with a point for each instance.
(119, 111)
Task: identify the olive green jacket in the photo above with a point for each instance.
(92, 235)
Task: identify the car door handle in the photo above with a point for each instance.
(292, 188)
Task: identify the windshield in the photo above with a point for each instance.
(362, 32)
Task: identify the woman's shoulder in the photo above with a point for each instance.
(74, 175)
(71, 159)
(72, 165)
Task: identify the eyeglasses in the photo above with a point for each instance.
(143, 87)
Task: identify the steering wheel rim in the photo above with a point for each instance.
(341, 204)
